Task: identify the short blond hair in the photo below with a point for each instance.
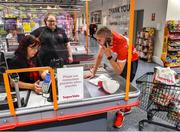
(105, 32)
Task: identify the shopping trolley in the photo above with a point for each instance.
(161, 101)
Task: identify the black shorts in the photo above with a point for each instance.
(134, 66)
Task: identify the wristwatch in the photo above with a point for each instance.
(109, 58)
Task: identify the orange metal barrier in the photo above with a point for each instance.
(131, 29)
(55, 104)
(87, 24)
(68, 116)
(8, 89)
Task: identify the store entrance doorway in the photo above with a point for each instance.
(138, 23)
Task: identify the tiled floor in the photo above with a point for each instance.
(131, 120)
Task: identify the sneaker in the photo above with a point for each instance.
(119, 119)
(126, 110)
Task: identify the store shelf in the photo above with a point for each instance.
(173, 50)
(174, 44)
(144, 38)
(145, 43)
(141, 44)
(171, 47)
(174, 31)
(9, 18)
(177, 55)
(174, 38)
(172, 64)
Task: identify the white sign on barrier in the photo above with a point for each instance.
(70, 84)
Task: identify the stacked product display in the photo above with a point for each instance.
(171, 45)
(65, 21)
(27, 19)
(145, 43)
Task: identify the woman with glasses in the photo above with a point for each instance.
(25, 57)
(54, 42)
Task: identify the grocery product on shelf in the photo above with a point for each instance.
(10, 23)
(171, 46)
(65, 21)
(145, 43)
(29, 21)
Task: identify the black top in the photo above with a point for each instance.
(20, 36)
(53, 44)
(20, 62)
(93, 28)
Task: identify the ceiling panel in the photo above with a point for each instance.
(73, 5)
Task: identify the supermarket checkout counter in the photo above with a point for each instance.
(78, 51)
(89, 113)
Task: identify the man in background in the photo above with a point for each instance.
(92, 29)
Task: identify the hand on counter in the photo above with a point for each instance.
(37, 88)
(89, 74)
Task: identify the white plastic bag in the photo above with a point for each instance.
(109, 86)
(165, 75)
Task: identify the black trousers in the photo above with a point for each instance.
(92, 34)
(134, 66)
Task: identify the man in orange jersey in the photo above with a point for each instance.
(114, 43)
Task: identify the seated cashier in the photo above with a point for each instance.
(25, 57)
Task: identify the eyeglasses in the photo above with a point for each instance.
(51, 21)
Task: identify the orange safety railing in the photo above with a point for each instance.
(87, 24)
(55, 104)
(131, 29)
(8, 89)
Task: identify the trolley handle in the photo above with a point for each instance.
(141, 79)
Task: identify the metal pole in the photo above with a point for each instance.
(131, 29)
(75, 22)
(87, 27)
(16, 80)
